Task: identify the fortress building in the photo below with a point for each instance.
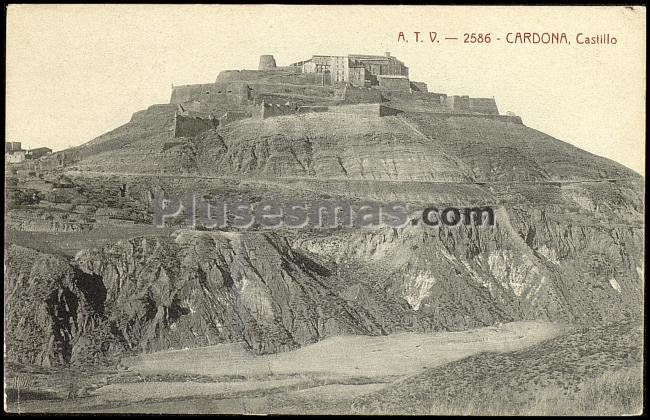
(267, 62)
(38, 152)
(354, 83)
(356, 69)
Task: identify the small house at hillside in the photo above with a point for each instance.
(38, 152)
(14, 152)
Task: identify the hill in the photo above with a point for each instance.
(566, 245)
(406, 147)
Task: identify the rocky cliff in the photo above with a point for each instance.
(148, 294)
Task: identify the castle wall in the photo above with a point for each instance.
(262, 111)
(225, 93)
(397, 84)
(419, 87)
(158, 112)
(364, 110)
(437, 99)
(271, 99)
(306, 92)
(513, 119)
(357, 95)
(458, 103)
(418, 101)
(483, 106)
(254, 75)
(266, 110)
(231, 116)
(237, 94)
(218, 109)
(55, 160)
(317, 79)
(188, 93)
(185, 126)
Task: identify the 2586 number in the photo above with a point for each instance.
(477, 38)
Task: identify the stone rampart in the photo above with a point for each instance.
(458, 103)
(265, 110)
(483, 106)
(419, 87)
(189, 126)
(254, 75)
(235, 93)
(396, 84)
(360, 95)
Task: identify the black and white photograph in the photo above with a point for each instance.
(309, 209)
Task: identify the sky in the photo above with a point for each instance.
(77, 71)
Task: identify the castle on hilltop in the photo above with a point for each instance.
(376, 85)
(356, 69)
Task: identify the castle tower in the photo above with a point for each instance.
(267, 62)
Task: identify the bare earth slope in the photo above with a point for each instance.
(511, 383)
(567, 244)
(410, 146)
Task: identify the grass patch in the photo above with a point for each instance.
(590, 370)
